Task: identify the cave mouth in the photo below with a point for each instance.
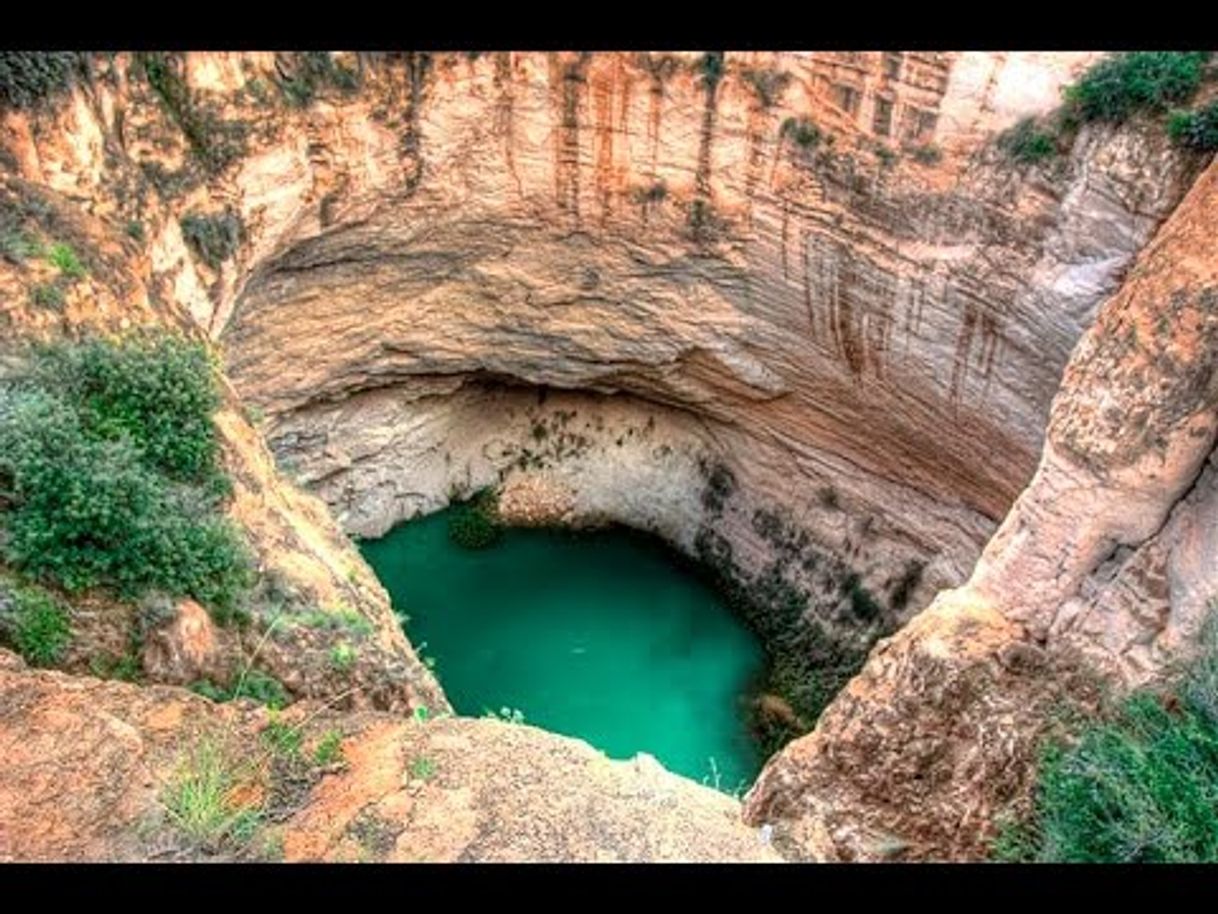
(607, 635)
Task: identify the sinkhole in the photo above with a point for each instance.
(606, 635)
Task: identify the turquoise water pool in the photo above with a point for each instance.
(603, 635)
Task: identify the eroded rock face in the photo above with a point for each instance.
(308, 569)
(832, 324)
(792, 311)
(1133, 424)
(936, 738)
(820, 257)
(100, 756)
(185, 650)
(1103, 568)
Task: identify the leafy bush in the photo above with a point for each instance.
(329, 750)
(710, 67)
(110, 458)
(213, 236)
(1120, 85)
(343, 656)
(158, 391)
(1140, 786)
(30, 77)
(312, 71)
(17, 245)
(214, 142)
(768, 85)
(805, 133)
(473, 524)
(36, 625)
(1195, 129)
(927, 154)
(1027, 143)
(253, 684)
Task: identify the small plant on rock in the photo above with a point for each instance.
(329, 750)
(1195, 129)
(65, 260)
(342, 656)
(422, 768)
(1027, 143)
(801, 131)
(214, 237)
(48, 295)
(37, 625)
(474, 524)
(202, 804)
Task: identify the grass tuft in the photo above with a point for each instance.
(201, 803)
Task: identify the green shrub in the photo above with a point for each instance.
(473, 524)
(17, 246)
(215, 237)
(111, 461)
(1027, 143)
(1138, 786)
(343, 656)
(927, 154)
(135, 229)
(1195, 129)
(886, 156)
(800, 129)
(253, 684)
(157, 390)
(422, 767)
(30, 77)
(710, 68)
(312, 71)
(64, 258)
(282, 739)
(329, 750)
(215, 143)
(36, 625)
(1120, 85)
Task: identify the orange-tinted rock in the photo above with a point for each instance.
(87, 764)
(185, 650)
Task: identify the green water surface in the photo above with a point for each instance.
(602, 635)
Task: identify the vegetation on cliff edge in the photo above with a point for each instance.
(1112, 91)
(1139, 786)
(110, 475)
(28, 78)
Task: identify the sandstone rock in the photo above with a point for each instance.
(86, 764)
(937, 737)
(531, 501)
(185, 650)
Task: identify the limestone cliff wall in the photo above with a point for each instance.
(810, 275)
(805, 291)
(1103, 569)
(850, 324)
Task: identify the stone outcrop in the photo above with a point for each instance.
(88, 766)
(1105, 566)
